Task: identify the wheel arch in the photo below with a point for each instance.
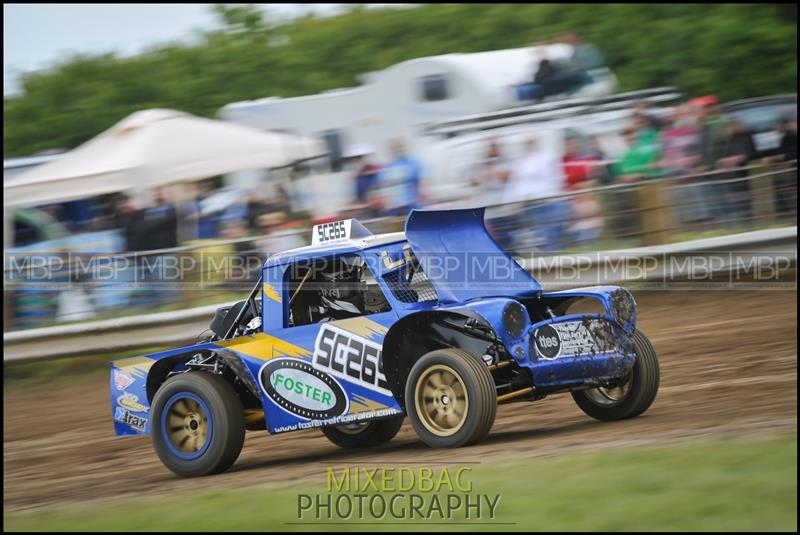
(234, 371)
(421, 332)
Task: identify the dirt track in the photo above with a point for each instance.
(728, 361)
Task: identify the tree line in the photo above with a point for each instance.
(731, 50)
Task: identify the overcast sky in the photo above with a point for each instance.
(36, 35)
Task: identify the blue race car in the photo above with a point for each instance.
(356, 331)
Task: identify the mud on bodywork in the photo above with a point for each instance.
(536, 333)
(580, 349)
(618, 303)
(589, 335)
(575, 351)
(623, 308)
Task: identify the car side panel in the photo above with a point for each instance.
(320, 374)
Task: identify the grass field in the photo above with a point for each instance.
(36, 373)
(722, 484)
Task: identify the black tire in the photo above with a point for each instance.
(373, 433)
(478, 389)
(641, 393)
(226, 420)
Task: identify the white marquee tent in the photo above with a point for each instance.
(152, 148)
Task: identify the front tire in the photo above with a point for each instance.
(197, 424)
(450, 398)
(364, 434)
(631, 398)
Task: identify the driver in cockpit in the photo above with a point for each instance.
(337, 291)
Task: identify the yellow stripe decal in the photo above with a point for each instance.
(271, 292)
(137, 366)
(264, 346)
(363, 327)
(368, 404)
(133, 361)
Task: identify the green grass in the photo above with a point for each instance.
(723, 484)
(34, 373)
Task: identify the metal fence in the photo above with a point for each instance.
(651, 212)
(45, 288)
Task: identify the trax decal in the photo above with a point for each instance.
(122, 380)
(350, 356)
(302, 390)
(131, 402)
(137, 422)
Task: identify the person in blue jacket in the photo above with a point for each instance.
(399, 181)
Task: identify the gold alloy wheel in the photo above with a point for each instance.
(441, 400)
(187, 425)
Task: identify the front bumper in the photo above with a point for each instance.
(577, 350)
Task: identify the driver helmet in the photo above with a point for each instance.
(341, 287)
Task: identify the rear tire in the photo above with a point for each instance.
(197, 424)
(364, 435)
(642, 388)
(450, 398)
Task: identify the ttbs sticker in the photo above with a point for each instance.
(548, 342)
(573, 338)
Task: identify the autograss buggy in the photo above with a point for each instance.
(356, 331)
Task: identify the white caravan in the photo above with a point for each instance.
(401, 100)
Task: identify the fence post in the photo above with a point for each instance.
(762, 193)
(609, 211)
(654, 212)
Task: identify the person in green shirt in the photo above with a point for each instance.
(641, 160)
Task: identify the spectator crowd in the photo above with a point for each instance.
(704, 151)
(694, 144)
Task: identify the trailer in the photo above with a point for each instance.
(402, 100)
